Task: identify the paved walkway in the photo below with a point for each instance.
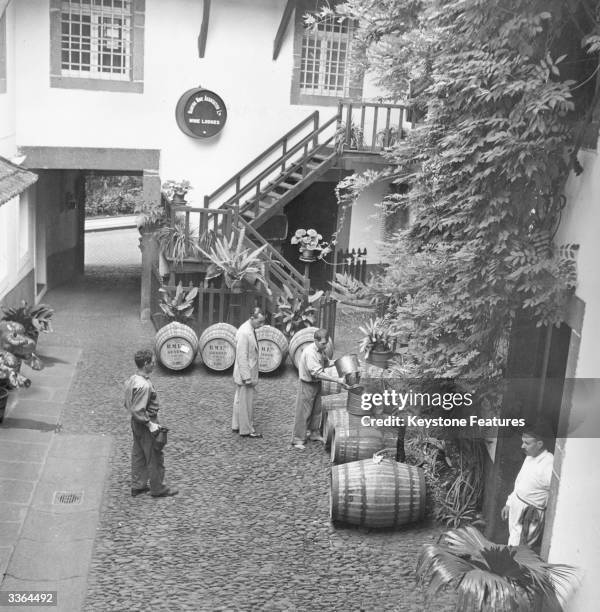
(250, 528)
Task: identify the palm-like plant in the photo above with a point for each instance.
(493, 577)
(379, 335)
(178, 306)
(176, 242)
(235, 263)
(35, 319)
(296, 311)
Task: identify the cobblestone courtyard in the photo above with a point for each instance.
(250, 528)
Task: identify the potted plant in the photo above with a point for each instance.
(176, 343)
(175, 243)
(349, 290)
(35, 319)
(3, 398)
(378, 341)
(490, 576)
(296, 311)
(175, 191)
(149, 216)
(309, 243)
(235, 263)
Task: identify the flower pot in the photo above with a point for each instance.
(308, 255)
(380, 358)
(163, 264)
(179, 198)
(3, 402)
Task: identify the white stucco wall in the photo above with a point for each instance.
(576, 529)
(238, 66)
(7, 100)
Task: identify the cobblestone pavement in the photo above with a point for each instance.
(249, 529)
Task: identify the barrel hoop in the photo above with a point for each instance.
(396, 493)
(363, 501)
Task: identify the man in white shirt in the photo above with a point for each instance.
(311, 371)
(526, 505)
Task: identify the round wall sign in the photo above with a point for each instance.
(200, 113)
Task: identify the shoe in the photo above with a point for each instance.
(316, 438)
(299, 446)
(251, 435)
(136, 492)
(167, 493)
(234, 430)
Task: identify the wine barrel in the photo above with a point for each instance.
(353, 443)
(176, 345)
(331, 403)
(217, 346)
(328, 387)
(272, 348)
(376, 495)
(301, 339)
(338, 419)
(354, 403)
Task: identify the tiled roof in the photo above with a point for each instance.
(13, 180)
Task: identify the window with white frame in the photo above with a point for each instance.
(324, 66)
(96, 38)
(97, 44)
(322, 51)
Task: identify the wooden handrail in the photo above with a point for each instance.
(293, 277)
(256, 180)
(313, 117)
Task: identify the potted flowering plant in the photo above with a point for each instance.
(175, 191)
(309, 242)
(377, 343)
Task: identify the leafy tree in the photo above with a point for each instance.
(487, 164)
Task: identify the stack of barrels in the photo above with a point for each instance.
(368, 488)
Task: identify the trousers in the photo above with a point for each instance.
(147, 461)
(243, 409)
(308, 411)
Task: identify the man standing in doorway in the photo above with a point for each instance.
(245, 375)
(311, 372)
(147, 460)
(526, 505)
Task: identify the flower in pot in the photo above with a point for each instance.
(175, 191)
(35, 319)
(296, 311)
(310, 242)
(378, 341)
(238, 265)
(178, 305)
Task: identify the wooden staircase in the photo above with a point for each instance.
(281, 172)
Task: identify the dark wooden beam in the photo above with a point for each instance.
(285, 19)
(203, 28)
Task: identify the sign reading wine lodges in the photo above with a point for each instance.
(200, 113)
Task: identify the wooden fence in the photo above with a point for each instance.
(353, 263)
(218, 304)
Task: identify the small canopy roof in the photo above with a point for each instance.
(13, 180)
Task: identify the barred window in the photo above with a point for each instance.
(96, 39)
(324, 69)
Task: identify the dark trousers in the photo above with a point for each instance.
(147, 461)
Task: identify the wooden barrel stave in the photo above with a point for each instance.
(176, 345)
(217, 346)
(272, 348)
(383, 495)
(328, 387)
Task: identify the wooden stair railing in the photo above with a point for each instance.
(277, 266)
(282, 143)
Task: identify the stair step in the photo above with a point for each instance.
(319, 158)
(286, 185)
(297, 176)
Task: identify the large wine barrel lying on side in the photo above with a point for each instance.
(301, 339)
(272, 348)
(353, 443)
(376, 495)
(338, 418)
(217, 346)
(331, 403)
(176, 345)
